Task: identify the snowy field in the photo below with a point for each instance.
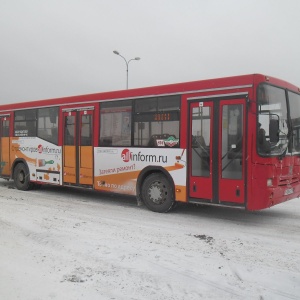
(62, 243)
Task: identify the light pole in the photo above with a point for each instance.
(127, 63)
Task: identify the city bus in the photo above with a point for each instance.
(232, 141)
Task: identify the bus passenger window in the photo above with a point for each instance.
(25, 123)
(48, 124)
(115, 123)
(156, 122)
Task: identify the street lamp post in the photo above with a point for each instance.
(127, 63)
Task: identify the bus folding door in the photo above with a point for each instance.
(217, 151)
(78, 147)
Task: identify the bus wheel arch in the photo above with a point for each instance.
(21, 175)
(155, 187)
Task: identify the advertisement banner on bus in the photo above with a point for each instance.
(117, 169)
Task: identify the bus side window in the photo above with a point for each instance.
(25, 123)
(157, 121)
(48, 124)
(115, 123)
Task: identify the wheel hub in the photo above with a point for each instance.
(21, 177)
(156, 193)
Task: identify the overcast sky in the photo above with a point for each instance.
(54, 48)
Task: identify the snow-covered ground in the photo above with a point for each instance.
(63, 243)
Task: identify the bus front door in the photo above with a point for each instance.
(4, 146)
(78, 147)
(217, 151)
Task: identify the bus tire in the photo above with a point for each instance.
(158, 193)
(21, 177)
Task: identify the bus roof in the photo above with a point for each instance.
(177, 88)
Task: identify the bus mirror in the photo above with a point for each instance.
(274, 131)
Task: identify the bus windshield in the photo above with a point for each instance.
(272, 127)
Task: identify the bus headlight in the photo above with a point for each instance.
(269, 182)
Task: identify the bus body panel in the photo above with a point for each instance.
(43, 159)
(284, 178)
(117, 169)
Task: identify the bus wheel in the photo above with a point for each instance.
(21, 177)
(157, 193)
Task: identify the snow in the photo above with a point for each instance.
(64, 243)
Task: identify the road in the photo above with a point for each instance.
(64, 243)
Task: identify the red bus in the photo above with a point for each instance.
(231, 141)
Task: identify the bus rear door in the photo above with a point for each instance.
(78, 147)
(217, 151)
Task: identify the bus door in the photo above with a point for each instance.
(217, 151)
(78, 147)
(4, 146)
